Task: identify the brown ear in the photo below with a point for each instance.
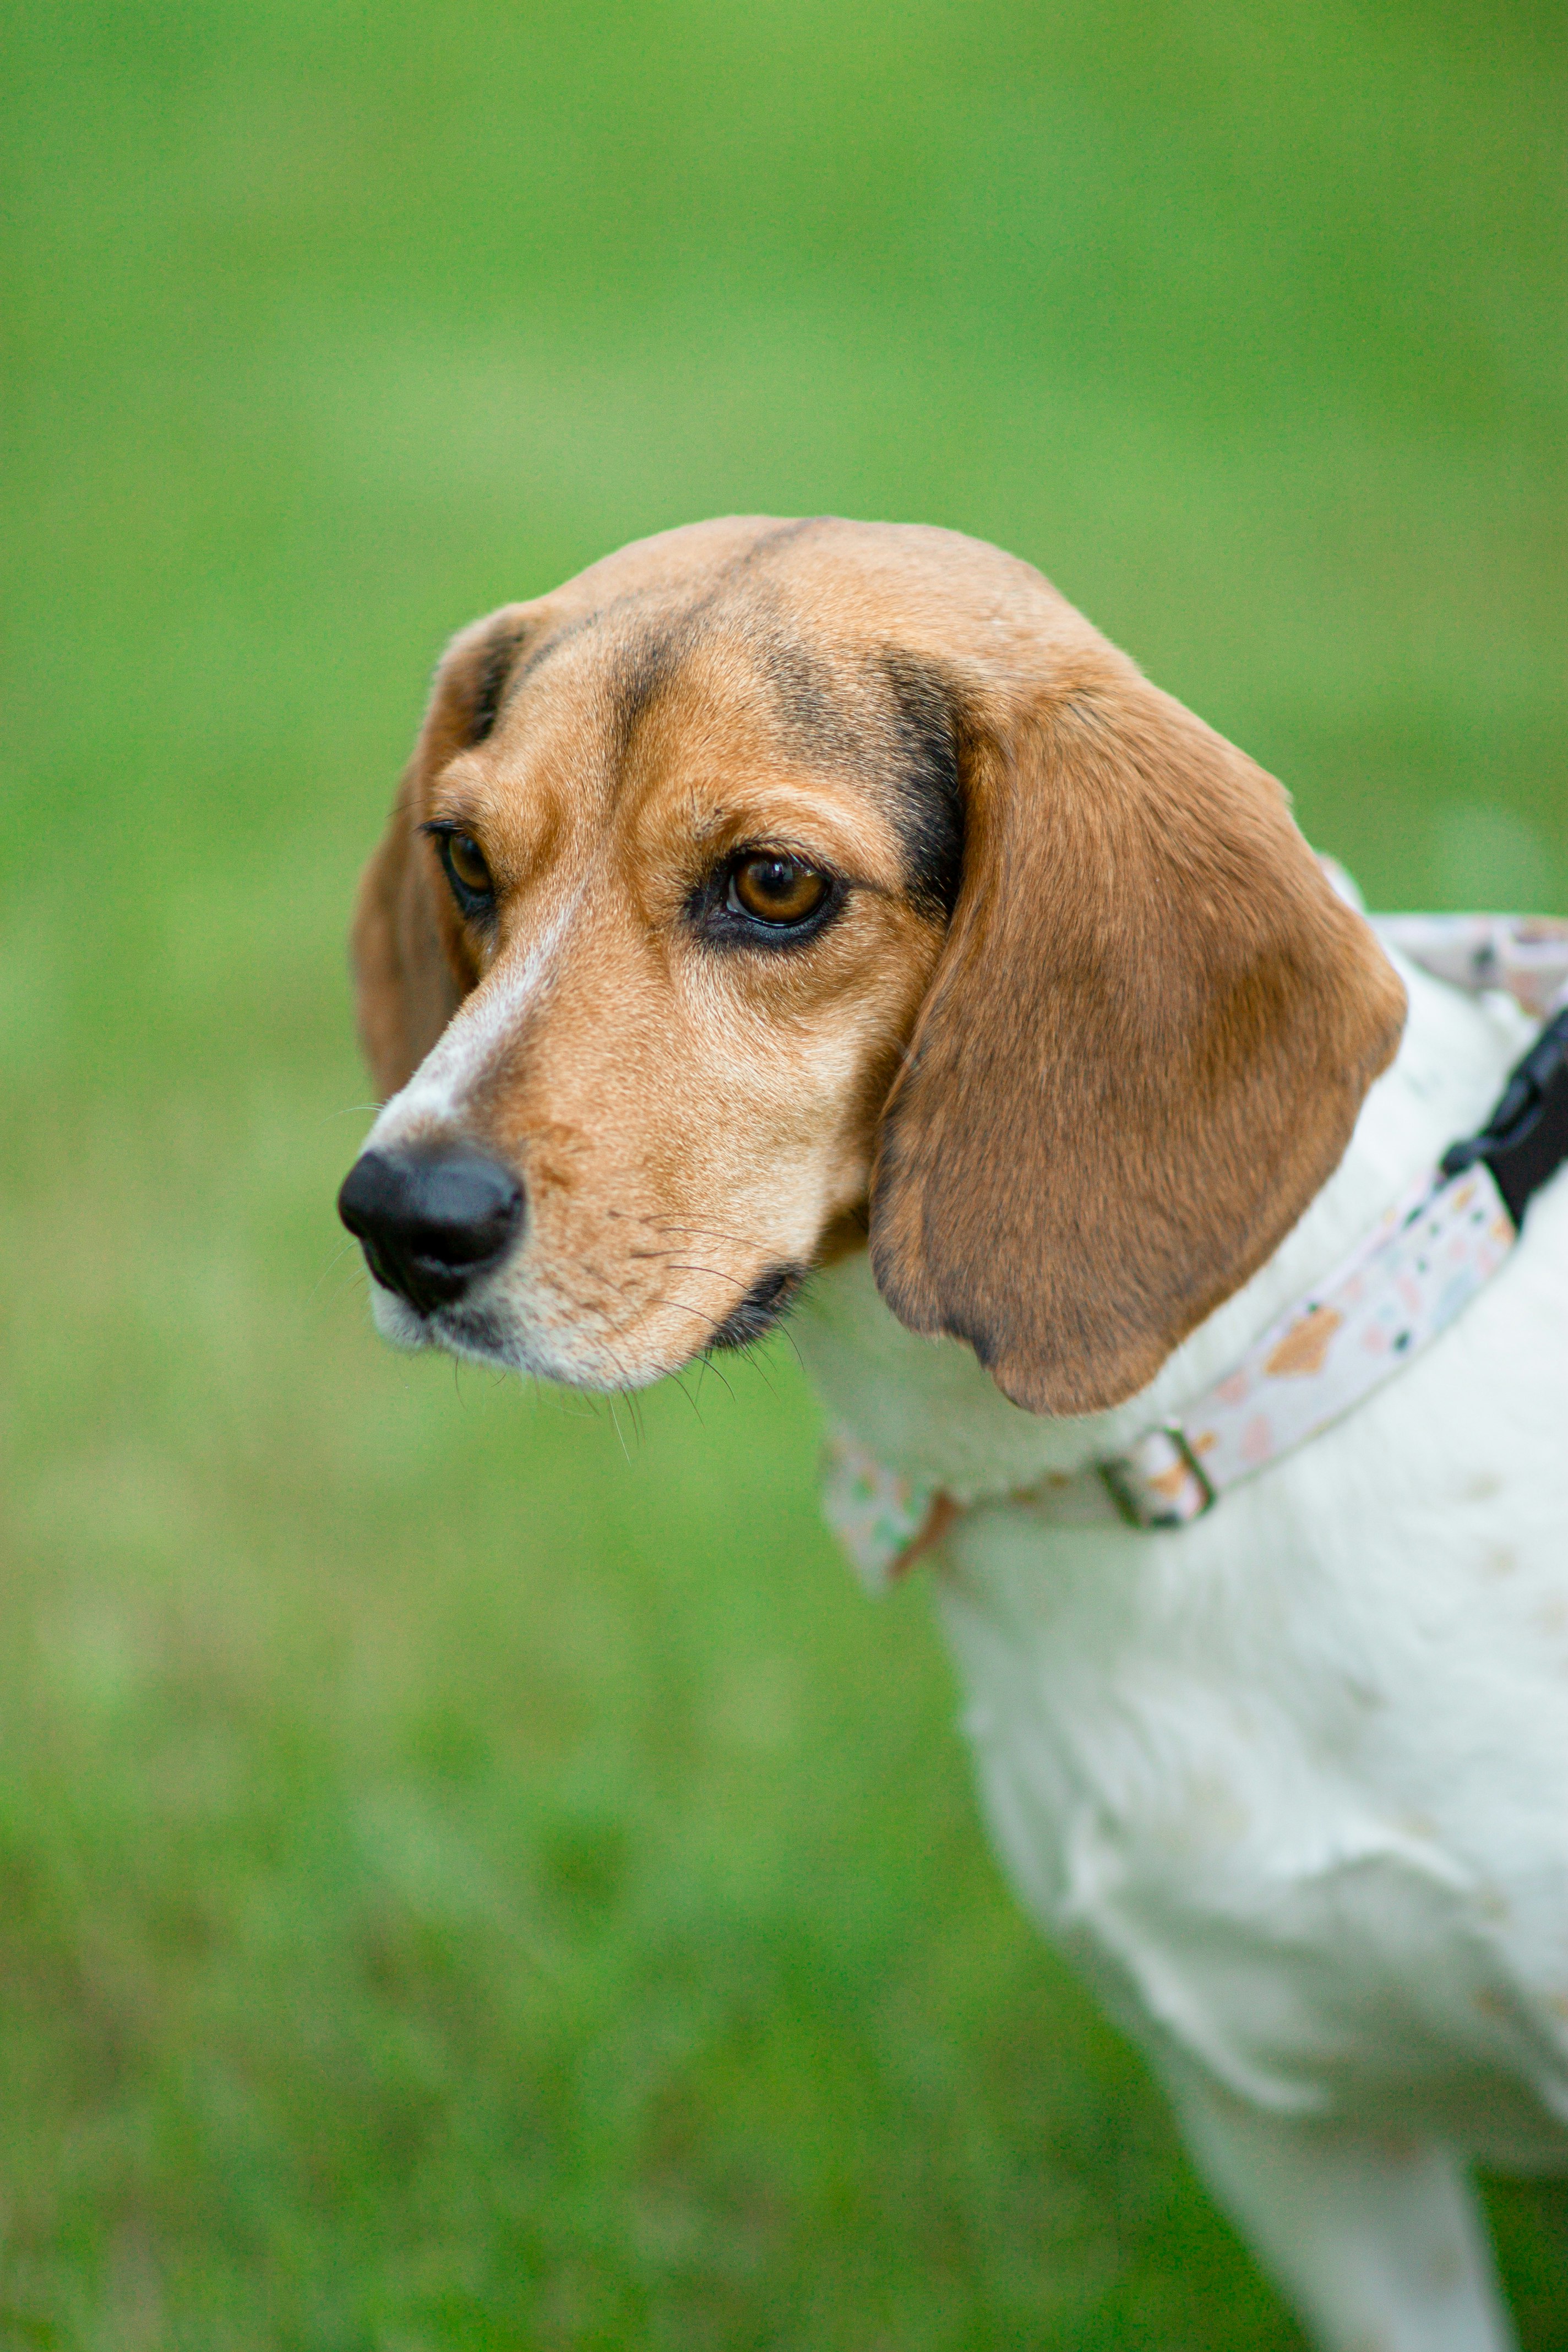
(409, 967)
(405, 989)
(1142, 1053)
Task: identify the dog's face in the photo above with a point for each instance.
(770, 883)
(694, 879)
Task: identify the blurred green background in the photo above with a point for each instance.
(473, 1871)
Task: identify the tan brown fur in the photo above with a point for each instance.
(1079, 1116)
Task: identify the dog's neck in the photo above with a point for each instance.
(926, 1408)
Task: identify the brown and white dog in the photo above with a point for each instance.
(781, 899)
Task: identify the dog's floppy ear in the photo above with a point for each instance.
(405, 990)
(410, 968)
(1142, 1051)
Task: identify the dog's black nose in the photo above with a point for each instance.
(430, 1222)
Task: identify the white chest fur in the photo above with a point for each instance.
(1291, 1783)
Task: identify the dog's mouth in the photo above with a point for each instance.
(766, 1303)
(471, 1331)
(486, 1333)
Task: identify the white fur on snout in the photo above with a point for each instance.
(398, 1323)
(437, 1096)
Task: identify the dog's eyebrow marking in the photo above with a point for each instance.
(645, 666)
(490, 691)
(551, 642)
(817, 718)
(641, 661)
(927, 725)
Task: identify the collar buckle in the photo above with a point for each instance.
(1525, 1141)
(1158, 1482)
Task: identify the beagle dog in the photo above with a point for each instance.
(823, 917)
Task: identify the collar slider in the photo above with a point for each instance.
(1158, 1482)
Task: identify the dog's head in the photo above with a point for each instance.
(772, 885)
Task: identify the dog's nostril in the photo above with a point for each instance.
(430, 1222)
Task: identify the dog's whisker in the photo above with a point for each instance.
(711, 1234)
(735, 1281)
(710, 1366)
(333, 1262)
(679, 1376)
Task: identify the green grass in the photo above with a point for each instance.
(471, 1874)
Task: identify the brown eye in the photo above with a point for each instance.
(466, 869)
(469, 862)
(776, 889)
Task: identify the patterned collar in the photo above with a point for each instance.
(1403, 1286)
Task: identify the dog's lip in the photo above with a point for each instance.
(470, 1327)
(765, 1303)
(470, 1323)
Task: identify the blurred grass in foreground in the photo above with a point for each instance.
(473, 1873)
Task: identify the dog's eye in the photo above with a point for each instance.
(466, 860)
(776, 890)
(466, 869)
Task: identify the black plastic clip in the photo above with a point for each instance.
(1525, 1141)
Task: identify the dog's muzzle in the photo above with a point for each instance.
(431, 1223)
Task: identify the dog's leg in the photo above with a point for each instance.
(1377, 2240)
